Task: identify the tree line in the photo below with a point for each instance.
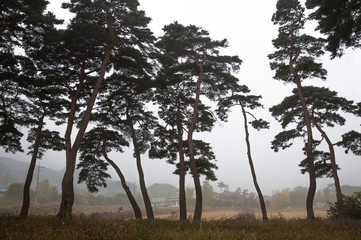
(238, 199)
(106, 66)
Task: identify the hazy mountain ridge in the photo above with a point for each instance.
(162, 190)
(18, 171)
(12, 170)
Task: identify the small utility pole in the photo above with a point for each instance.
(37, 185)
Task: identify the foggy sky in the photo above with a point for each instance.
(248, 28)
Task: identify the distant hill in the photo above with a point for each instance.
(15, 171)
(158, 190)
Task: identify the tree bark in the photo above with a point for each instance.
(143, 188)
(67, 183)
(182, 193)
(133, 202)
(29, 177)
(294, 54)
(309, 152)
(197, 185)
(340, 208)
(258, 189)
(67, 186)
(67, 200)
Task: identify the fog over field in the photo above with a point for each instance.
(248, 28)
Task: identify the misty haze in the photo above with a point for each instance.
(187, 111)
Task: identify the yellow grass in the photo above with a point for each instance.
(272, 214)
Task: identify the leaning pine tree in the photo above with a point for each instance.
(44, 95)
(246, 101)
(97, 144)
(122, 106)
(294, 61)
(210, 71)
(83, 58)
(175, 96)
(324, 107)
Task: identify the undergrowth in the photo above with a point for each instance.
(37, 227)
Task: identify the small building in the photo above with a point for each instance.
(173, 202)
(165, 202)
(3, 190)
(228, 197)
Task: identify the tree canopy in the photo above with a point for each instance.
(340, 21)
(113, 85)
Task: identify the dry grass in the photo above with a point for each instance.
(111, 211)
(224, 214)
(239, 227)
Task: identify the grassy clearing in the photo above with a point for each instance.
(288, 214)
(37, 227)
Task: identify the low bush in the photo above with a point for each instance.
(351, 204)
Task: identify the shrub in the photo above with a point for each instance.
(351, 204)
(246, 216)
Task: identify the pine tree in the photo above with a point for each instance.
(96, 145)
(122, 106)
(202, 60)
(97, 39)
(238, 96)
(294, 62)
(340, 21)
(324, 107)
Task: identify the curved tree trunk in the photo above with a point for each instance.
(135, 206)
(197, 185)
(29, 177)
(309, 152)
(182, 193)
(294, 54)
(67, 199)
(258, 189)
(143, 188)
(67, 194)
(340, 208)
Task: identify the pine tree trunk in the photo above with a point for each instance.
(294, 54)
(340, 208)
(182, 193)
(258, 189)
(309, 152)
(197, 185)
(67, 200)
(67, 186)
(67, 193)
(133, 202)
(143, 188)
(26, 196)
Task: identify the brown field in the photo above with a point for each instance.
(108, 223)
(111, 211)
(272, 214)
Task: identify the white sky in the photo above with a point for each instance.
(248, 28)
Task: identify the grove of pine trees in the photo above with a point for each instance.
(97, 76)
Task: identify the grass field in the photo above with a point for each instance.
(221, 224)
(111, 211)
(288, 214)
(99, 228)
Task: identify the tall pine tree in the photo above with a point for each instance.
(295, 61)
(207, 68)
